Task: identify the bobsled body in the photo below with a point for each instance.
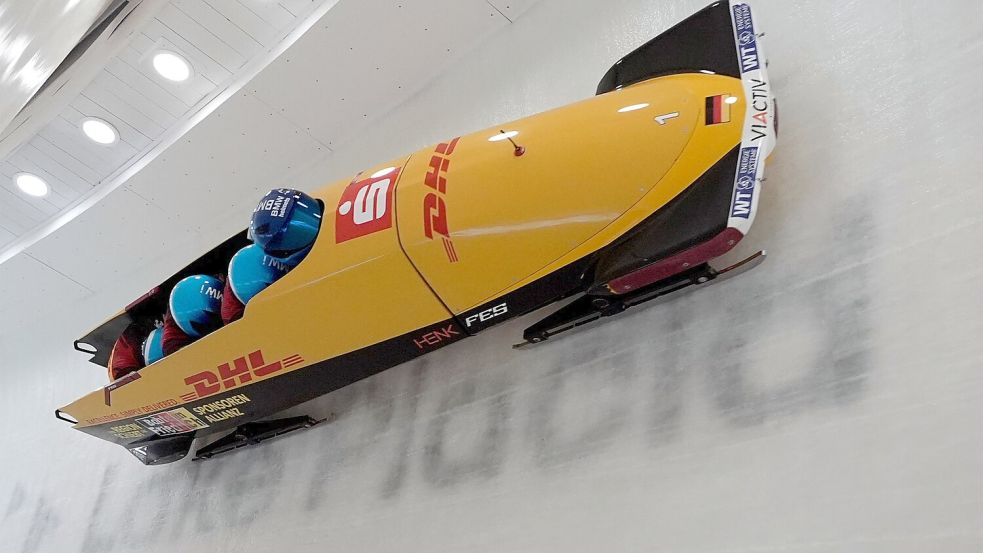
(657, 173)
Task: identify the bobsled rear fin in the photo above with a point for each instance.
(160, 450)
(701, 42)
(694, 217)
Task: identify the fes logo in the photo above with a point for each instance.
(365, 206)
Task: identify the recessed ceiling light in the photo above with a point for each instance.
(171, 66)
(731, 100)
(635, 107)
(503, 136)
(382, 172)
(99, 131)
(31, 184)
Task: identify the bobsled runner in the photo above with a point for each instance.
(609, 202)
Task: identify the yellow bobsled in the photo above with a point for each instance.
(615, 200)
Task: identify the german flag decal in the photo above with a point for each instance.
(718, 108)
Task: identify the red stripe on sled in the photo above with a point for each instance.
(682, 261)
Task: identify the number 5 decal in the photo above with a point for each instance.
(365, 207)
(370, 202)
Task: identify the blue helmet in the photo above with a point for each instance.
(252, 270)
(153, 346)
(196, 305)
(285, 221)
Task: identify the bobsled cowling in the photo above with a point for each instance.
(660, 171)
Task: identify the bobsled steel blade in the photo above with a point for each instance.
(254, 433)
(586, 309)
(743, 265)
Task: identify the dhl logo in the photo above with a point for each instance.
(232, 375)
(434, 208)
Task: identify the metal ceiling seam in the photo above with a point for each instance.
(499, 11)
(35, 258)
(247, 72)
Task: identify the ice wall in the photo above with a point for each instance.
(828, 401)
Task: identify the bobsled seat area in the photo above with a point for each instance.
(150, 307)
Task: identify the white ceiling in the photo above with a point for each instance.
(33, 44)
(362, 59)
(221, 38)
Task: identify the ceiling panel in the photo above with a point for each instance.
(219, 25)
(113, 238)
(297, 7)
(16, 217)
(56, 160)
(135, 136)
(26, 282)
(33, 209)
(205, 40)
(130, 141)
(163, 36)
(228, 161)
(104, 160)
(340, 75)
(129, 103)
(512, 8)
(278, 17)
(5, 236)
(262, 31)
(174, 98)
(59, 196)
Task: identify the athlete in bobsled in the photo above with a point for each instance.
(283, 228)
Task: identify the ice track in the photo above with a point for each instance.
(829, 401)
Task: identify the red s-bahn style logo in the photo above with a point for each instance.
(238, 372)
(434, 207)
(366, 206)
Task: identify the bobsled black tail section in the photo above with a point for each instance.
(160, 450)
(697, 215)
(703, 41)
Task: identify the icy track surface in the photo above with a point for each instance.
(829, 401)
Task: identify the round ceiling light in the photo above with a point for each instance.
(171, 66)
(99, 130)
(31, 184)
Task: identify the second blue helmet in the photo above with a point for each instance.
(285, 221)
(252, 270)
(153, 346)
(196, 305)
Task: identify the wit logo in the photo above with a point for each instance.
(746, 38)
(744, 184)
